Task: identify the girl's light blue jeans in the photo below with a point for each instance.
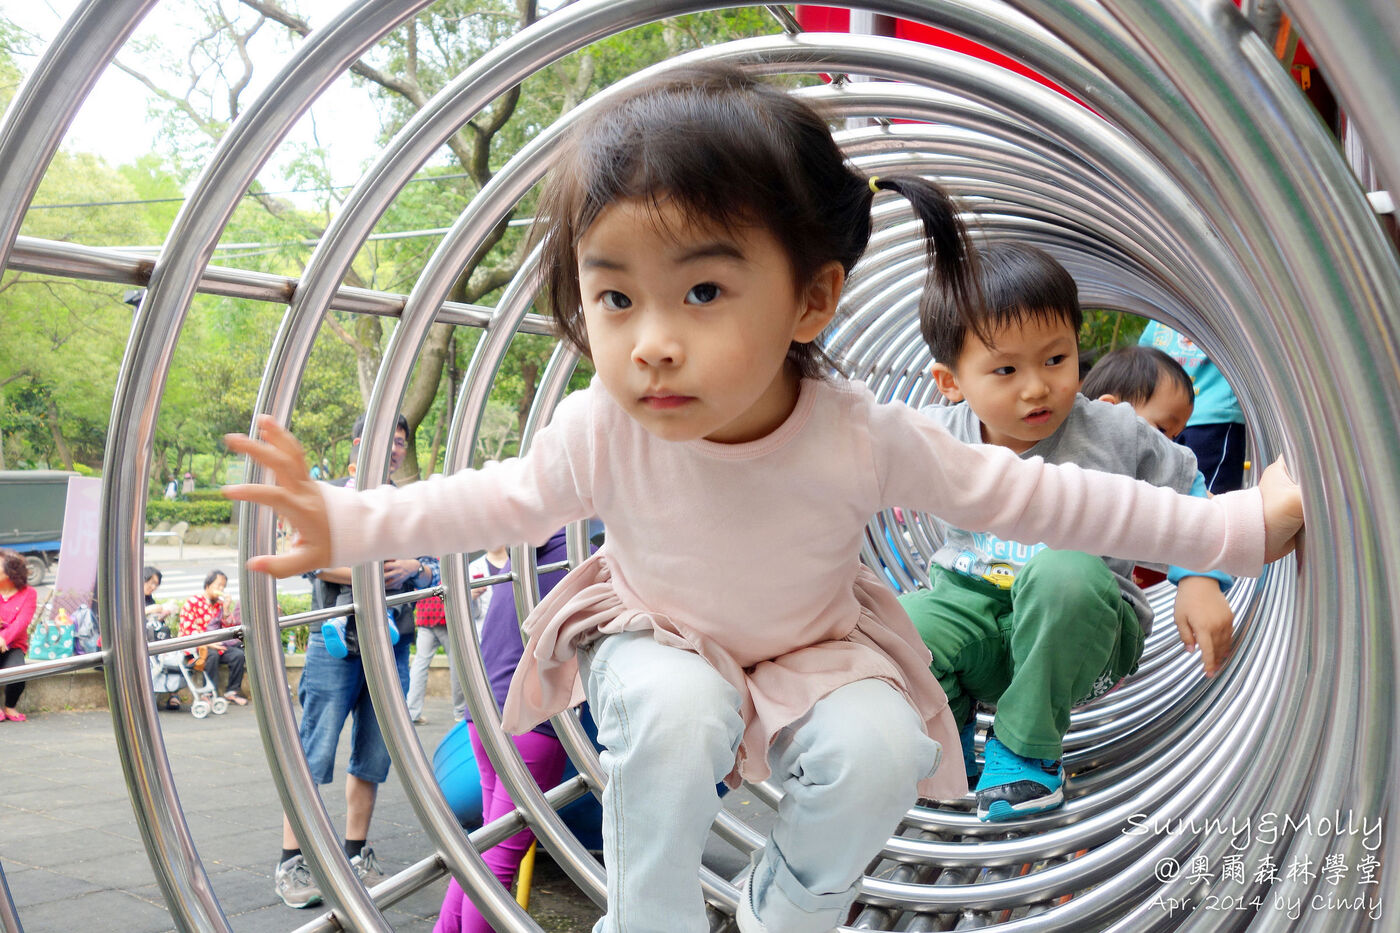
(670, 726)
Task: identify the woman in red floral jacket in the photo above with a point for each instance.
(213, 610)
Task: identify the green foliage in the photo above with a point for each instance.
(328, 403)
(65, 338)
(13, 41)
(196, 513)
(1108, 330)
(290, 604)
(625, 53)
(154, 182)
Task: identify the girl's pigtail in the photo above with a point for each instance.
(953, 281)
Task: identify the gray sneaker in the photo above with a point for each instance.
(367, 869)
(295, 885)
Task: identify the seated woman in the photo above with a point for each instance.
(150, 582)
(156, 616)
(17, 599)
(210, 610)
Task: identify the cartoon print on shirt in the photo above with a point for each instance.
(994, 560)
(1000, 575)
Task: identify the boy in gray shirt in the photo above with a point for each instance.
(1035, 630)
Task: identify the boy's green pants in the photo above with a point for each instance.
(1060, 636)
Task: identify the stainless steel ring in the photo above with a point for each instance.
(1207, 196)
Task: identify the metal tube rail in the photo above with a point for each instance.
(99, 264)
(1208, 197)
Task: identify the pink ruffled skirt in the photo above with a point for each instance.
(882, 643)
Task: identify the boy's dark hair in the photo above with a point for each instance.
(1132, 374)
(1016, 283)
(400, 424)
(726, 148)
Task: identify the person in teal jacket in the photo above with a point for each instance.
(1215, 432)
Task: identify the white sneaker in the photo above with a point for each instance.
(295, 885)
(744, 915)
(367, 869)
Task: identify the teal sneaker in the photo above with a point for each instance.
(1013, 787)
(333, 631)
(968, 735)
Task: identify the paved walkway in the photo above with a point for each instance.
(71, 852)
(73, 858)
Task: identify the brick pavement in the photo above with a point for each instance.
(71, 851)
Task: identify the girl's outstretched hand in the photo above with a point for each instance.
(295, 497)
(1283, 510)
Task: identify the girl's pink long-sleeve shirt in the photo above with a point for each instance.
(748, 553)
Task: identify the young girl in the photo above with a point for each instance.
(697, 238)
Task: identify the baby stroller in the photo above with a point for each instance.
(172, 669)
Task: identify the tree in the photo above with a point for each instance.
(411, 65)
(65, 337)
(1108, 330)
(58, 378)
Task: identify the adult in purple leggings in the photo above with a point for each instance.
(501, 649)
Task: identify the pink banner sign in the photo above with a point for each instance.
(77, 560)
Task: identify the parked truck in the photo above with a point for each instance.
(31, 516)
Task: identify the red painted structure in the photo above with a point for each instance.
(815, 18)
(837, 19)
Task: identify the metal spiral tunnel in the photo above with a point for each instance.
(1197, 187)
